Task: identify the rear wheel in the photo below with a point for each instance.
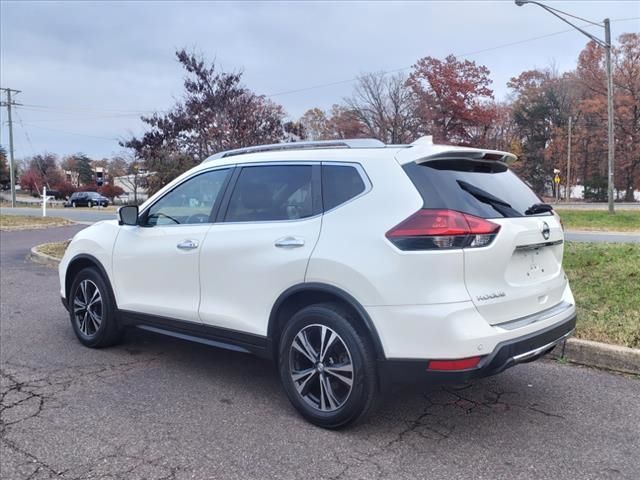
(92, 310)
(73, 204)
(327, 368)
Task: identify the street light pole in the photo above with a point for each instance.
(606, 44)
(612, 149)
(568, 180)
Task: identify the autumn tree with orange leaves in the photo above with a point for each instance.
(453, 100)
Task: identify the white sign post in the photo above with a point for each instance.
(45, 199)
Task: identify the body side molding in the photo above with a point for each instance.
(198, 332)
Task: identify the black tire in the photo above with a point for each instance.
(89, 331)
(90, 204)
(344, 407)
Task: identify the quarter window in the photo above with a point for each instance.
(340, 183)
(274, 192)
(190, 202)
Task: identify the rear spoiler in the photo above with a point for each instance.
(490, 155)
(424, 150)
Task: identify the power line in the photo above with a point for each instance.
(24, 130)
(87, 116)
(86, 109)
(124, 113)
(464, 55)
(574, 16)
(73, 133)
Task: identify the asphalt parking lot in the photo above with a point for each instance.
(155, 407)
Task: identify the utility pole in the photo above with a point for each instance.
(12, 176)
(612, 150)
(568, 191)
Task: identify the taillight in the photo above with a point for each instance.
(429, 229)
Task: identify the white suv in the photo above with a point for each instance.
(347, 262)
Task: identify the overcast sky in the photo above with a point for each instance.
(87, 69)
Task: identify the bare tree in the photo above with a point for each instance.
(316, 124)
(134, 180)
(384, 105)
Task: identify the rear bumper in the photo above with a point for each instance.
(506, 354)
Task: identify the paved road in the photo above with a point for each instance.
(155, 407)
(596, 206)
(89, 215)
(602, 237)
(95, 215)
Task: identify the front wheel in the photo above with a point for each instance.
(90, 204)
(92, 310)
(327, 368)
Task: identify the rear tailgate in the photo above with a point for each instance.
(520, 273)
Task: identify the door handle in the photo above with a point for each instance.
(187, 245)
(290, 242)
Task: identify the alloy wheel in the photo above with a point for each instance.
(321, 368)
(87, 308)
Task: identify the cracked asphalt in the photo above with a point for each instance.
(156, 408)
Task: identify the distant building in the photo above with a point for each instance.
(134, 187)
(72, 177)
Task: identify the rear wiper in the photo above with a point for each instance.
(482, 194)
(538, 208)
(498, 204)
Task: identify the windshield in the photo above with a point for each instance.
(483, 189)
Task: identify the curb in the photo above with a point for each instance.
(601, 355)
(42, 258)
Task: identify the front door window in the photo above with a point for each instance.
(189, 203)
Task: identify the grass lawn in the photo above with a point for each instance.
(622, 221)
(605, 279)
(24, 222)
(55, 249)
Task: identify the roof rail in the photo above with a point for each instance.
(348, 143)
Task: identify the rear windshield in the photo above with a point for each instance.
(483, 189)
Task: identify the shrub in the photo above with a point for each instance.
(65, 189)
(110, 191)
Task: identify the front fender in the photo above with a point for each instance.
(95, 242)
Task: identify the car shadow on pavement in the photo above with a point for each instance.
(434, 412)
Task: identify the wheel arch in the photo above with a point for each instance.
(299, 296)
(80, 262)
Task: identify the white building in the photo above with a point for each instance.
(134, 187)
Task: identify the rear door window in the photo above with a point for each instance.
(271, 193)
(340, 183)
(483, 189)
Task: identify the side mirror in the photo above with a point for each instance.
(128, 215)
